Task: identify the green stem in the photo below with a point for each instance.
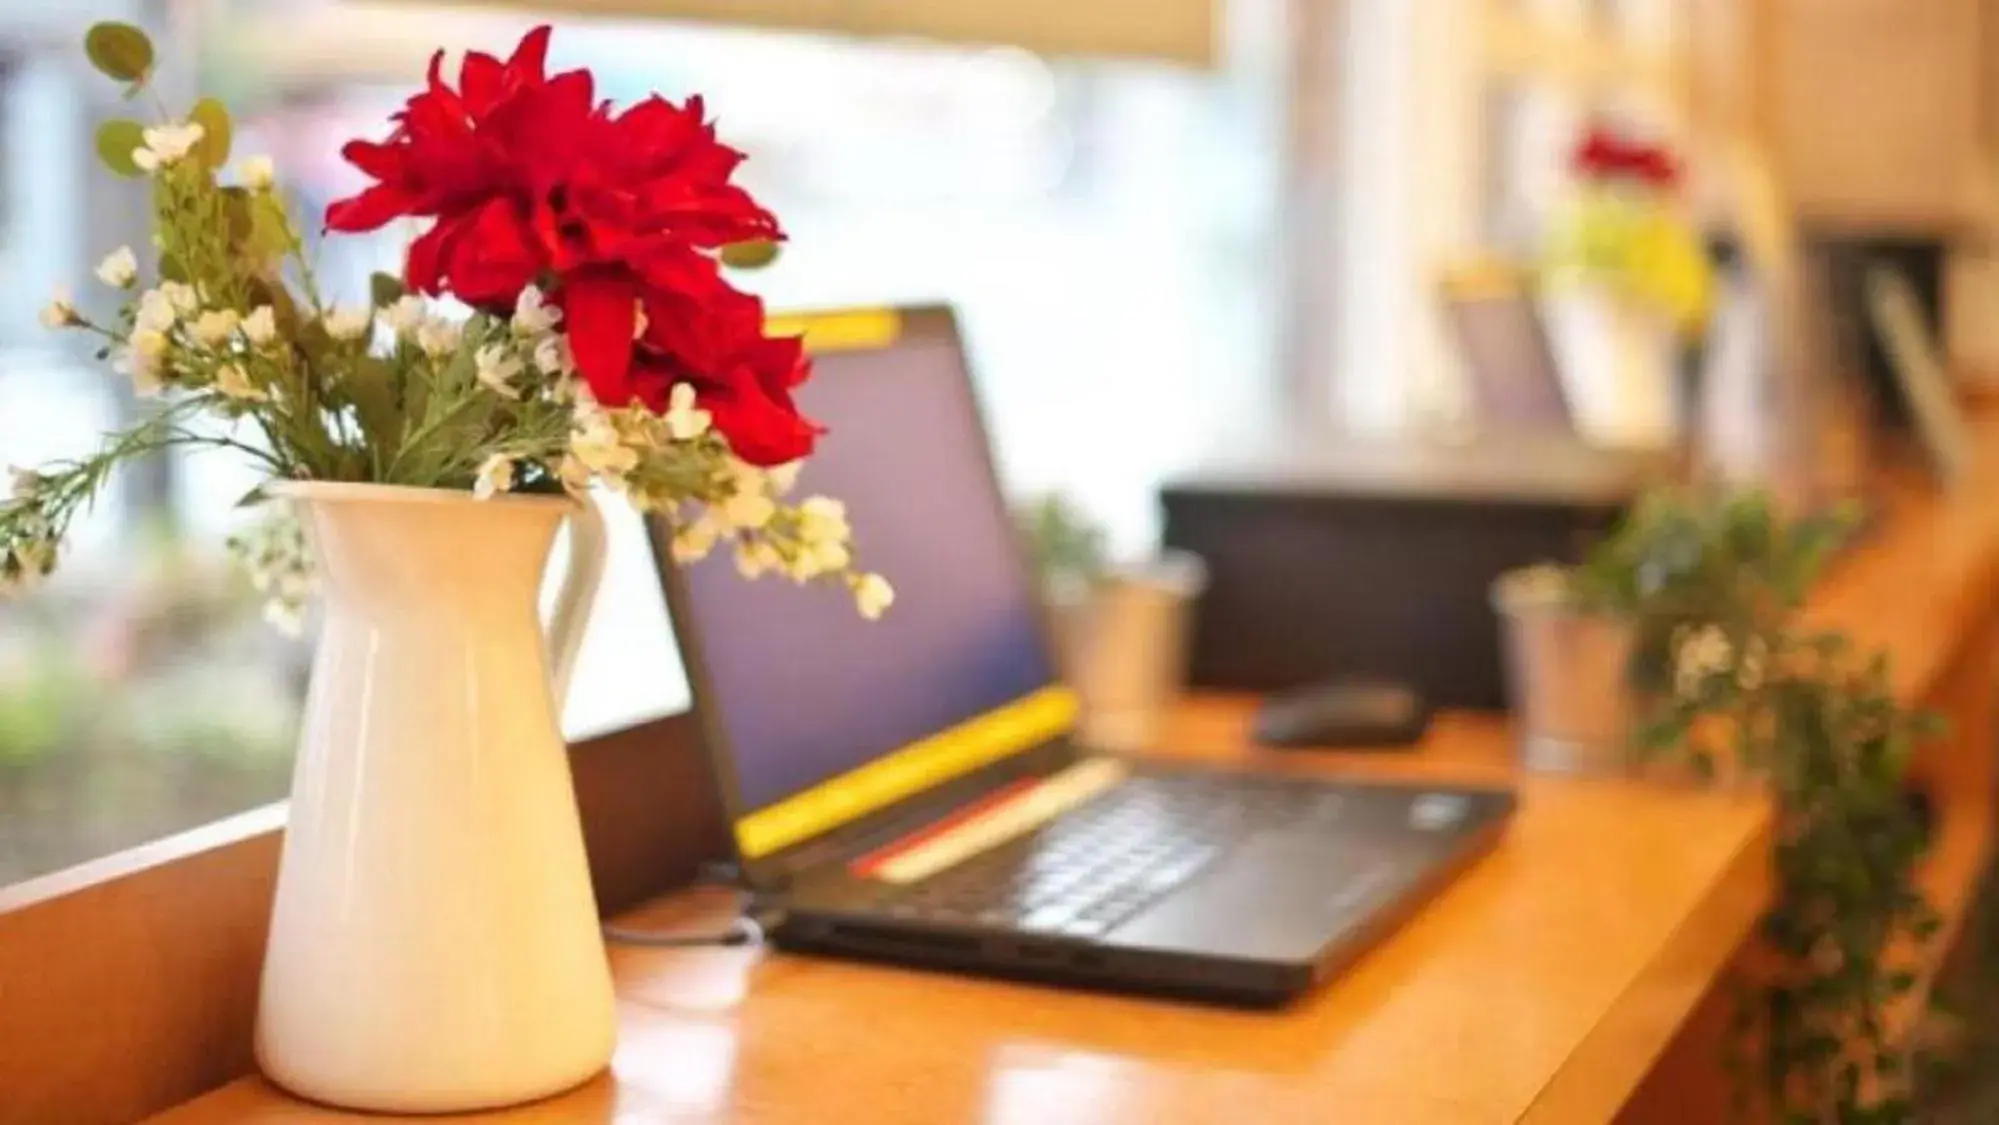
(424, 433)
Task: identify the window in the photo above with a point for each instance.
(1104, 228)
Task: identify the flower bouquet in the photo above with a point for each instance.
(1626, 229)
(1631, 290)
(603, 342)
(434, 943)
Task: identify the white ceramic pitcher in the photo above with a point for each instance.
(434, 945)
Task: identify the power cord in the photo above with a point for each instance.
(748, 929)
(745, 930)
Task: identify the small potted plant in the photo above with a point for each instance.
(1725, 680)
(1120, 629)
(1564, 661)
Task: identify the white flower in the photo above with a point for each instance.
(141, 360)
(531, 316)
(437, 337)
(830, 556)
(574, 474)
(822, 519)
(551, 356)
(286, 617)
(346, 324)
(597, 443)
(748, 509)
(1749, 670)
(756, 557)
(496, 369)
(873, 595)
(1699, 655)
(213, 328)
(182, 296)
(257, 173)
(156, 312)
(261, 326)
(234, 382)
(24, 565)
(692, 542)
(684, 422)
(60, 312)
(495, 475)
(802, 568)
(784, 477)
(813, 560)
(745, 477)
(38, 556)
(404, 315)
(119, 268)
(149, 343)
(639, 321)
(166, 145)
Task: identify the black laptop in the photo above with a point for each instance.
(908, 790)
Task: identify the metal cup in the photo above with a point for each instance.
(1126, 648)
(1566, 676)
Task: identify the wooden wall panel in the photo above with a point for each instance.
(1876, 109)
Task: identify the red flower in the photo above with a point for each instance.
(741, 377)
(474, 158)
(1599, 155)
(530, 181)
(1603, 155)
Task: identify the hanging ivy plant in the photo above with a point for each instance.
(1727, 678)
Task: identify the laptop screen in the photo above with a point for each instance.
(824, 716)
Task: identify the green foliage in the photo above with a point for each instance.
(385, 289)
(1067, 545)
(37, 706)
(752, 255)
(116, 141)
(119, 51)
(213, 118)
(1723, 669)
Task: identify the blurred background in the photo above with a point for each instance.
(1172, 228)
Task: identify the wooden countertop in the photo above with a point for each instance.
(1539, 987)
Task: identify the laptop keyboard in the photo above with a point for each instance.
(1096, 866)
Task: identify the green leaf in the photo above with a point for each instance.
(171, 269)
(370, 386)
(116, 141)
(385, 289)
(242, 218)
(269, 237)
(119, 50)
(252, 498)
(213, 117)
(752, 255)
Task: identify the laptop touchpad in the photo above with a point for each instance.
(1282, 896)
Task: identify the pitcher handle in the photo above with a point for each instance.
(580, 579)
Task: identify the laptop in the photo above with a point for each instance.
(909, 790)
(1516, 385)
